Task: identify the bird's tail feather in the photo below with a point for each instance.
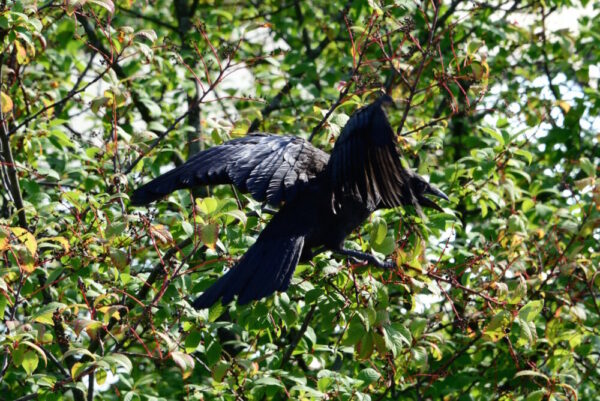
(268, 266)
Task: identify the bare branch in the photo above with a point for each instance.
(420, 68)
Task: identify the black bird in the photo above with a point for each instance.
(325, 197)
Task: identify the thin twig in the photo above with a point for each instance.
(346, 89)
(429, 124)
(59, 102)
(312, 55)
(298, 337)
(420, 69)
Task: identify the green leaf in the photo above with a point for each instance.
(219, 371)
(531, 310)
(526, 154)
(386, 247)
(106, 4)
(119, 360)
(213, 352)
(368, 376)
(378, 231)
(537, 395)
(208, 206)
(37, 349)
(192, 341)
(18, 355)
(148, 34)
(396, 337)
(356, 331)
(44, 314)
(30, 362)
(269, 381)
(494, 134)
(365, 347)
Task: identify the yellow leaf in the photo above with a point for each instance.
(50, 111)
(565, 106)
(27, 254)
(26, 238)
(7, 103)
(4, 239)
(61, 240)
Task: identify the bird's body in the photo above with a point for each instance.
(324, 197)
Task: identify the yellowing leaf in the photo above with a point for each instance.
(565, 106)
(26, 238)
(4, 239)
(7, 103)
(22, 57)
(61, 240)
(209, 235)
(495, 330)
(118, 257)
(76, 370)
(184, 361)
(161, 234)
(90, 326)
(100, 376)
(208, 205)
(50, 111)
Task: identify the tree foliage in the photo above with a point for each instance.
(494, 299)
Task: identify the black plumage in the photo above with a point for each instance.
(324, 197)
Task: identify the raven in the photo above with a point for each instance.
(325, 197)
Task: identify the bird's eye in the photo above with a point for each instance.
(420, 186)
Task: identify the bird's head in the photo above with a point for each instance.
(420, 188)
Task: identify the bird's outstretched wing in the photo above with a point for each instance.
(269, 167)
(365, 164)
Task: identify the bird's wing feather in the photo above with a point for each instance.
(271, 168)
(365, 163)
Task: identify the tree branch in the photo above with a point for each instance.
(311, 56)
(298, 337)
(97, 44)
(420, 68)
(13, 178)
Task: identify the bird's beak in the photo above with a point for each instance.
(431, 190)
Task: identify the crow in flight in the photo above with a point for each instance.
(325, 197)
